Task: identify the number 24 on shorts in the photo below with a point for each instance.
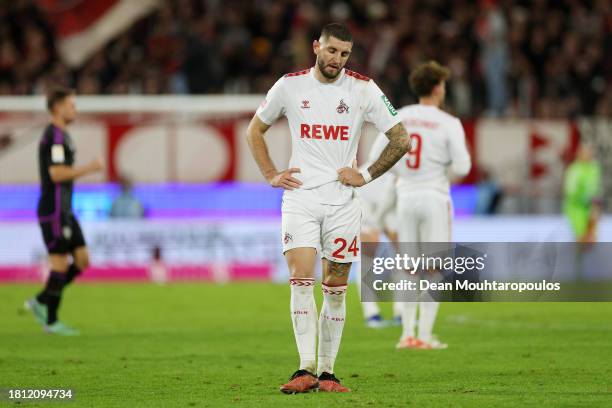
(352, 248)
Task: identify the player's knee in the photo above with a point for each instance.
(84, 263)
(301, 272)
(301, 262)
(336, 273)
(82, 260)
(335, 281)
(58, 263)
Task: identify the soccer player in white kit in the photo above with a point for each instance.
(424, 206)
(375, 197)
(325, 106)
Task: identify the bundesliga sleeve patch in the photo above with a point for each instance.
(57, 153)
(390, 107)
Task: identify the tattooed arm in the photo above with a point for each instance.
(398, 146)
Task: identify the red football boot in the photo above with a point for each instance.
(329, 383)
(300, 381)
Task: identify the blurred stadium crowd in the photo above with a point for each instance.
(543, 58)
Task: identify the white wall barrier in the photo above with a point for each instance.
(202, 139)
(225, 249)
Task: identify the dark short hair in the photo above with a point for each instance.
(56, 95)
(426, 76)
(338, 31)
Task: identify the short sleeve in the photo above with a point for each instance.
(273, 107)
(57, 154)
(378, 110)
(51, 153)
(55, 150)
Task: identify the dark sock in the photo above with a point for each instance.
(72, 273)
(42, 296)
(52, 284)
(53, 302)
(52, 294)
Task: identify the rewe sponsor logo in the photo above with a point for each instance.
(324, 132)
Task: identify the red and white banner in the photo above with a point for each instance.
(202, 139)
(83, 27)
(161, 147)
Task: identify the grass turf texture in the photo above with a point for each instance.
(209, 346)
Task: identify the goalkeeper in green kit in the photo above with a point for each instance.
(581, 194)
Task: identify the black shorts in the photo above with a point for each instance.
(62, 235)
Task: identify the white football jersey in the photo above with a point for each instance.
(325, 121)
(437, 145)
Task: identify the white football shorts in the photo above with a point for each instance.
(424, 216)
(333, 230)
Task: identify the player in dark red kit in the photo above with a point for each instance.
(60, 229)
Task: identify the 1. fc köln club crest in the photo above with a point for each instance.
(343, 107)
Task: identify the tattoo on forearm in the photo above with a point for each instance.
(398, 146)
(339, 270)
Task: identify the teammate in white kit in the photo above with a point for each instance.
(424, 205)
(375, 197)
(325, 106)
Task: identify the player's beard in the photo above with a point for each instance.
(325, 74)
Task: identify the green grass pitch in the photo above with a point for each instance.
(203, 345)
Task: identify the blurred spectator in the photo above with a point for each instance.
(511, 57)
(491, 27)
(489, 195)
(158, 271)
(126, 205)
